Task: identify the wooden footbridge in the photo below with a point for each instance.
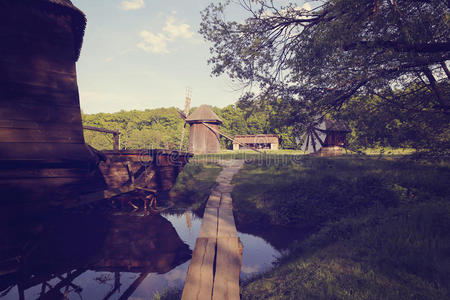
(216, 261)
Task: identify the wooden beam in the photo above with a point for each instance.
(115, 133)
(200, 276)
(116, 145)
(228, 266)
(231, 139)
(132, 288)
(100, 129)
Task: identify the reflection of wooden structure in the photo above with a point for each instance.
(42, 149)
(204, 139)
(258, 141)
(54, 253)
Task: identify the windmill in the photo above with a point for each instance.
(314, 135)
(185, 113)
(204, 128)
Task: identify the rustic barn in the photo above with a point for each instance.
(42, 146)
(336, 138)
(204, 134)
(336, 131)
(258, 141)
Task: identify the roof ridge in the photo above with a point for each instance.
(203, 113)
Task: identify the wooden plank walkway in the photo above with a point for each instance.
(213, 273)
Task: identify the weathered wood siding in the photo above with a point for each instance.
(39, 101)
(154, 169)
(202, 139)
(335, 138)
(42, 151)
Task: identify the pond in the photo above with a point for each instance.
(111, 256)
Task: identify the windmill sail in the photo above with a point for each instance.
(314, 136)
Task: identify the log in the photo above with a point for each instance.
(199, 280)
(228, 266)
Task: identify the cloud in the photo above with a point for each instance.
(155, 43)
(132, 4)
(173, 30)
(158, 42)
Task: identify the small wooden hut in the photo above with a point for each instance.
(336, 138)
(42, 150)
(204, 134)
(256, 141)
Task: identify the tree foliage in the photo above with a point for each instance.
(407, 122)
(151, 128)
(161, 128)
(321, 57)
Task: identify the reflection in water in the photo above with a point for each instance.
(279, 237)
(87, 256)
(74, 256)
(257, 255)
(263, 246)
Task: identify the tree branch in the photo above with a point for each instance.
(402, 47)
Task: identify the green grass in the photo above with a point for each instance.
(248, 155)
(279, 154)
(381, 227)
(388, 151)
(194, 184)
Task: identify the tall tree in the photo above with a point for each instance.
(322, 56)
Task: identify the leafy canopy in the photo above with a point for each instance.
(321, 57)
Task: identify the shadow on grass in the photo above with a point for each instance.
(193, 186)
(381, 227)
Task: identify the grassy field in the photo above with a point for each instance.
(288, 154)
(381, 226)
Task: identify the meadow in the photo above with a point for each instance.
(379, 226)
(376, 226)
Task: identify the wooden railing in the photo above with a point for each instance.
(116, 134)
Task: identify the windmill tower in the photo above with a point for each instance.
(204, 134)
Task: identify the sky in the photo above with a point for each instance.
(143, 54)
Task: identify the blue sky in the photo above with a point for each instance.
(140, 54)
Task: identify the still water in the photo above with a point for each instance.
(111, 256)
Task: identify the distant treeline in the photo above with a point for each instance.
(162, 127)
(376, 122)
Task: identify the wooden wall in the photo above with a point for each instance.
(335, 138)
(40, 120)
(39, 104)
(202, 139)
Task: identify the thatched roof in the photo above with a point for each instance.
(337, 125)
(203, 114)
(65, 7)
(256, 139)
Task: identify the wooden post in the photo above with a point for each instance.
(116, 141)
